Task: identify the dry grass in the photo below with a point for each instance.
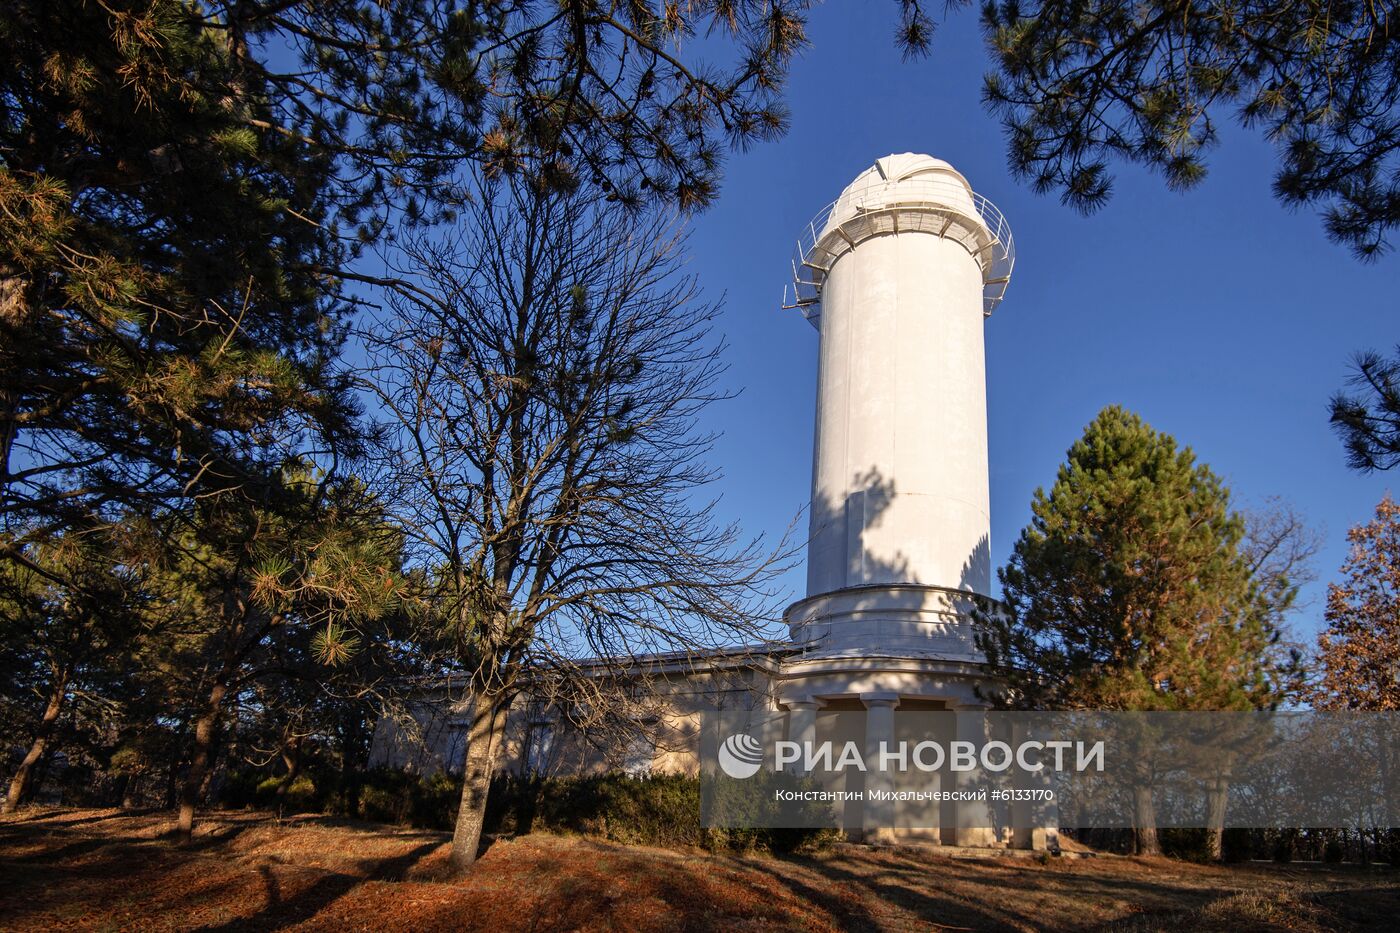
(108, 870)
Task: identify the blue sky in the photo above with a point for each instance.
(1220, 316)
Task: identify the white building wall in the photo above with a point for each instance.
(900, 489)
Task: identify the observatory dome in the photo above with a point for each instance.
(905, 166)
(907, 178)
(903, 193)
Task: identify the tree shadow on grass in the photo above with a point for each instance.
(281, 911)
(972, 896)
(849, 915)
(929, 906)
(1371, 908)
(57, 818)
(57, 868)
(63, 843)
(548, 884)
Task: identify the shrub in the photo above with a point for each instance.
(383, 800)
(1238, 844)
(435, 800)
(1388, 846)
(753, 802)
(660, 810)
(1190, 845)
(391, 796)
(239, 790)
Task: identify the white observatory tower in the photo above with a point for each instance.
(898, 275)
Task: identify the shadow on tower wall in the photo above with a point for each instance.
(864, 509)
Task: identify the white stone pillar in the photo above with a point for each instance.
(975, 826)
(1035, 822)
(802, 727)
(919, 822)
(878, 821)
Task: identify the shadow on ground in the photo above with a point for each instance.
(93, 870)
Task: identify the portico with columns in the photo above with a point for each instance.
(879, 686)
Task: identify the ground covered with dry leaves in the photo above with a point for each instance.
(110, 870)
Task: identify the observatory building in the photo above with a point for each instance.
(897, 275)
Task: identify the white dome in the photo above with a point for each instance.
(903, 166)
(907, 178)
(902, 193)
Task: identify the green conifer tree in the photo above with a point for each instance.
(1130, 590)
(164, 329)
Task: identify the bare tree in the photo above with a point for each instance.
(1279, 544)
(539, 388)
(1279, 548)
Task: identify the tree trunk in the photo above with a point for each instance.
(483, 742)
(1145, 821)
(9, 403)
(291, 757)
(1218, 795)
(20, 783)
(202, 755)
(352, 764)
(172, 784)
(129, 791)
(170, 774)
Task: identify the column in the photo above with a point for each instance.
(878, 821)
(802, 726)
(919, 822)
(974, 824)
(1035, 822)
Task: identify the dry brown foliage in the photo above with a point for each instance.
(109, 870)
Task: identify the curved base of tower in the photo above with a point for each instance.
(880, 648)
(899, 619)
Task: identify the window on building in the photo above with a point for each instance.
(640, 752)
(455, 754)
(539, 747)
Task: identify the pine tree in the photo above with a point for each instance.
(65, 613)
(1129, 590)
(164, 329)
(312, 571)
(1082, 82)
(1367, 418)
